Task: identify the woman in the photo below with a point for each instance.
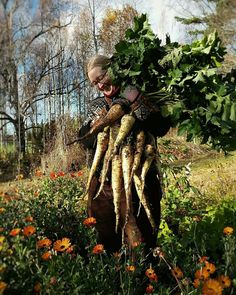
(138, 227)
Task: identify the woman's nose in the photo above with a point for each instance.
(100, 85)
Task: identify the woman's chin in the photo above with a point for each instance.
(109, 92)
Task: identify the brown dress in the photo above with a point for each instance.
(102, 207)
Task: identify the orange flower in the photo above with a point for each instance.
(135, 244)
(210, 267)
(130, 268)
(228, 230)
(38, 173)
(224, 281)
(14, 232)
(196, 283)
(61, 245)
(70, 249)
(90, 221)
(53, 280)
(53, 175)
(72, 174)
(153, 277)
(36, 193)
(44, 243)
(61, 173)
(203, 259)
(177, 272)
(3, 286)
(29, 218)
(212, 287)
(46, 256)
(202, 274)
(37, 287)
(29, 230)
(98, 249)
(149, 272)
(149, 289)
(80, 173)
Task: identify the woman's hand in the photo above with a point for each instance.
(101, 114)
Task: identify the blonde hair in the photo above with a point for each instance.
(98, 61)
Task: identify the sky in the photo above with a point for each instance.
(162, 18)
(161, 15)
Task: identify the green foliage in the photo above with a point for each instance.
(183, 80)
(57, 211)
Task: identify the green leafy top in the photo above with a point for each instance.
(183, 80)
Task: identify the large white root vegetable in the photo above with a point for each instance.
(144, 201)
(150, 153)
(139, 147)
(126, 124)
(102, 142)
(114, 129)
(127, 161)
(117, 185)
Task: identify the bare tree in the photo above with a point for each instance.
(29, 62)
(114, 25)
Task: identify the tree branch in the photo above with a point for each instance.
(42, 32)
(7, 117)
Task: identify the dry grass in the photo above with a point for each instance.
(216, 176)
(213, 173)
(59, 156)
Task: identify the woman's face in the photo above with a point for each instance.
(99, 78)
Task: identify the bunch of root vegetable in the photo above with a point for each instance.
(129, 152)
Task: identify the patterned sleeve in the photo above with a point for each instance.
(94, 107)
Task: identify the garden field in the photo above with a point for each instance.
(48, 246)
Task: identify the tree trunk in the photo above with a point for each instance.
(20, 135)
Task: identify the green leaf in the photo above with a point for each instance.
(134, 73)
(226, 112)
(233, 112)
(199, 77)
(207, 50)
(122, 46)
(222, 90)
(217, 63)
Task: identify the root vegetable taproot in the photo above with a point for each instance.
(114, 129)
(114, 114)
(127, 161)
(102, 142)
(117, 185)
(126, 124)
(150, 153)
(144, 201)
(139, 147)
